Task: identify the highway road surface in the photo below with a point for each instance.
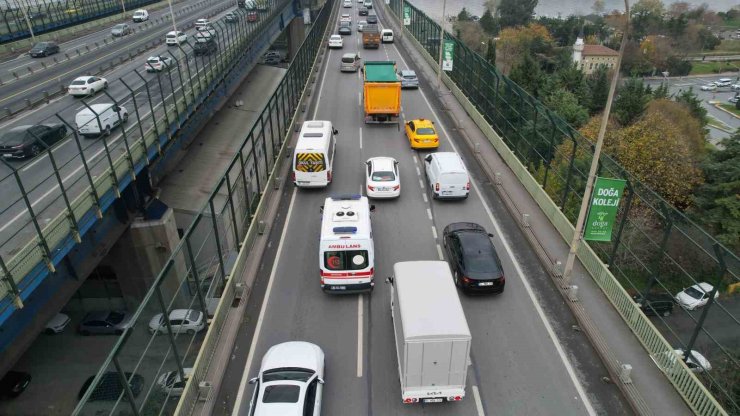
(525, 358)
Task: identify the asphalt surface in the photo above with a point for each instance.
(525, 357)
(37, 175)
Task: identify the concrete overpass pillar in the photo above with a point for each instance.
(296, 34)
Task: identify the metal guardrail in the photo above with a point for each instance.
(649, 261)
(226, 223)
(83, 179)
(44, 16)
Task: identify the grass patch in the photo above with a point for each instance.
(727, 45)
(731, 108)
(706, 67)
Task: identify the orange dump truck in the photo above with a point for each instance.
(382, 92)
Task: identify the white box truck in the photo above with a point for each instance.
(431, 332)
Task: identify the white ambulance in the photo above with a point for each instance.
(346, 251)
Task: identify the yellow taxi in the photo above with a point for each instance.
(422, 134)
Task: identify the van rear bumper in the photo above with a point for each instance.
(348, 288)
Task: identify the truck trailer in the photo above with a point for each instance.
(431, 333)
(370, 36)
(382, 92)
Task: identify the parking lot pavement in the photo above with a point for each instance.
(59, 365)
(678, 84)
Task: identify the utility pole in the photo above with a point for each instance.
(28, 21)
(441, 44)
(578, 234)
(123, 6)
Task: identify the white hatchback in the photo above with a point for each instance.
(335, 41)
(87, 86)
(382, 179)
(158, 63)
(175, 38)
(181, 320)
(695, 296)
(172, 384)
(290, 381)
(347, 4)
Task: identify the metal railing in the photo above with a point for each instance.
(225, 224)
(656, 248)
(66, 187)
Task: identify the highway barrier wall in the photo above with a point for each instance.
(655, 247)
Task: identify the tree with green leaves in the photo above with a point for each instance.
(631, 101)
(598, 89)
(661, 92)
(529, 76)
(516, 12)
(718, 199)
(488, 23)
(491, 52)
(693, 102)
(566, 105)
(464, 15)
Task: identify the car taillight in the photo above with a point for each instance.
(328, 176)
(467, 187)
(466, 279)
(397, 187)
(454, 398)
(436, 140)
(410, 400)
(416, 140)
(436, 186)
(370, 187)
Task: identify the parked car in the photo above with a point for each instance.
(87, 86)
(181, 320)
(421, 133)
(42, 49)
(105, 323)
(382, 179)
(724, 82)
(271, 60)
(709, 87)
(100, 119)
(158, 63)
(231, 17)
(335, 41)
(110, 387)
(172, 384)
(202, 24)
(175, 38)
(735, 87)
(57, 324)
(695, 361)
(23, 141)
(733, 99)
(408, 79)
(695, 296)
(655, 304)
(121, 29)
(290, 381)
(13, 384)
(476, 267)
(350, 62)
(140, 15)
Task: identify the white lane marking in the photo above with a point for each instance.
(425, 197)
(439, 252)
(421, 184)
(414, 159)
(434, 232)
(518, 267)
(418, 172)
(360, 319)
(260, 319)
(360, 137)
(429, 214)
(478, 402)
(359, 98)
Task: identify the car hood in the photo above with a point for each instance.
(685, 299)
(279, 409)
(292, 354)
(58, 320)
(155, 321)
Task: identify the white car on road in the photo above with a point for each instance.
(158, 63)
(175, 38)
(172, 384)
(709, 87)
(382, 179)
(202, 24)
(695, 296)
(335, 41)
(181, 320)
(290, 381)
(87, 86)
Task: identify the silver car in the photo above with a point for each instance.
(408, 79)
(121, 30)
(350, 62)
(105, 322)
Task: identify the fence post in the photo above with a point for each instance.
(151, 111)
(93, 190)
(218, 241)
(625, 216)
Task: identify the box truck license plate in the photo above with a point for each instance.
(434, 400)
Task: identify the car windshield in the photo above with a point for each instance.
(79, 82)
(171, 377)
(287, 373)
(281, 394)
(694, 293)
(425, 131)
(119, 27)
(41, 45)
(115, 317)
(153, 60)
(478, 253)
(383, 176)
(409, 76)
(348, 59)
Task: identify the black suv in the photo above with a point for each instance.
(475, 264)
(655, 304)
(205, 48)
(23, 141)
(43, 49)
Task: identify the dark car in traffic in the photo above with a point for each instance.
(231, 17)
(13, 384)
(110, 386)
(476, 267)
(43, 49)
(655, 304)
(363, 11)
(30, 140)
(372, 19)
(206, 47)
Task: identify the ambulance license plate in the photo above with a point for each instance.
(433, 400)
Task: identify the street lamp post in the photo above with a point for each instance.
(28, 21)
(578, 234)
(441, 43)
(123, 6)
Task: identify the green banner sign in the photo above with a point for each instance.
(406, 15)
(447, 55)
(603, 211)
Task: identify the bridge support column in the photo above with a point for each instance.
(296, 35)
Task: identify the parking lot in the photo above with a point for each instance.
(678, 84)
(59, 365)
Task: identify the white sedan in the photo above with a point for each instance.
(709, 87)
(290, 381)
(158, 63)
(181, 320)
(172, 384)
(335, 41)
(382, 179)
(175, 38)
(695, 296)
(87, 86)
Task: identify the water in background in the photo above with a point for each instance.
(553, 7)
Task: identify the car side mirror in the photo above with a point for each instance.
(321, 209)
(490, 235)
(367, 163)
(321, 380)
(428, 158)
(389, 279)
(335, 131)
(253, 380)
(372, 208)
